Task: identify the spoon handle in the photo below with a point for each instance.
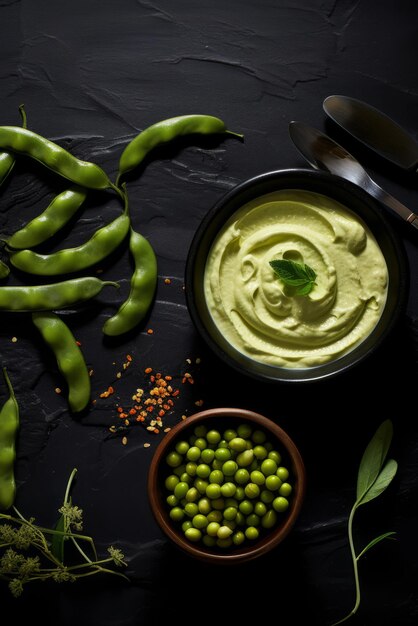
(385, 198)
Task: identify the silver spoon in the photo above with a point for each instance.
(324, 153)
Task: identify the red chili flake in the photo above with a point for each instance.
(128, 357)
(78, 343)
(175, 393)
(148, 370)
(132, 411)
(161, 413)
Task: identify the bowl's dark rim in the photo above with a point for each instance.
(239, 554)
(296, 178)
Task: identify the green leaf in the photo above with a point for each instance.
(57, 542)
(295, 274)
(375, 541)
(381, 483)
(373, 458)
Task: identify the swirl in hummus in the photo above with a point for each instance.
(259, 316)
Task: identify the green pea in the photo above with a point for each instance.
(187, 524)
(200, 521)
(229, 523)
(240, 519)
(246, 507)
(201, 485)
(285, 490)
(268, 446)
(203, 470)
(174, 459)
(223, 454)
(204, 506)
(224, 532)
(229, 434)
(267, 496)
(217, 465)
(268, 467)
(282, 473)
(252, 533)
(242, 476)
(260, 452)
(240, 493)
(213, 491)
(200, 443)
(171, 481)
(200, 430)
(182, 447)
(179, 470)
(273, 482)
(193, 534)
(228, 489)
(207, 455)
(212, 529)
(193, 453)
(218, 504)
(180, 490)
(244, 459)
(213, 437)
(229, 468)
(269, 519)
(216, 476)
(252, 490)
(258, 436)
(257, 477)
(186, 478)
(192, 494)
(208, 541)
(223, 444)
(244, 431)
(238, 538)
(191, 509)
(214, 516)
(224, 543)
(273, 454)
(231, 502)
(230, 513)
(253, 520)
(260, 509)
(191, 468)
(280, 504)
(176, 514)
(172, 500)
(238, 444)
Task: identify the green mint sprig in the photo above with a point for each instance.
(293, 274)
(374, 476)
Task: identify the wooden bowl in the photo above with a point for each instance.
(220, 419)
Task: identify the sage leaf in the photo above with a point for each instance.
(375, 541)
(373, 458)
(381, 483)
(295, 274)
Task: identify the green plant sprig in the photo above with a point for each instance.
(374, 476)
(293, 274)
(46, 545)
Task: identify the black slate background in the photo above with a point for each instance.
(92, 74)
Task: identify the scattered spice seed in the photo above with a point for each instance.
(124, 440)
(199, 402)
(167, 281)
(14, 339)
(57, 390)
(147, 445)
(150, 331)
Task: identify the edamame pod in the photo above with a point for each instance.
(165, 131)
(7, 160)
(70, 359)
(9, 424)
(50, 221)
(93, 251)
(53, 296)
(142, 289)
(57, 159)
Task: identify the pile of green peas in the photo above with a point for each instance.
(228, 487)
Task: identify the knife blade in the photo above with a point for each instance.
(374, 129)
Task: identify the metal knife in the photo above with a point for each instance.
(374, 129)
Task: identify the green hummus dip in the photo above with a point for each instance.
(261, 317)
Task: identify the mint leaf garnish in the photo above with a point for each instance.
(295, 274)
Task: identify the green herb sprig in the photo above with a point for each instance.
(374, 476)
(31, 552)
(293, 274)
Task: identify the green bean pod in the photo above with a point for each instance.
(52, 156)
(70, 359)
(4, 270)
(163, 132)
(7, 160)
(50, 221)
(142, 288)
(53, 296)
(104, 241)
(9, 424)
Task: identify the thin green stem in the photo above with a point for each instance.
(70, 480)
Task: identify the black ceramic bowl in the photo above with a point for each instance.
(334, 187)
